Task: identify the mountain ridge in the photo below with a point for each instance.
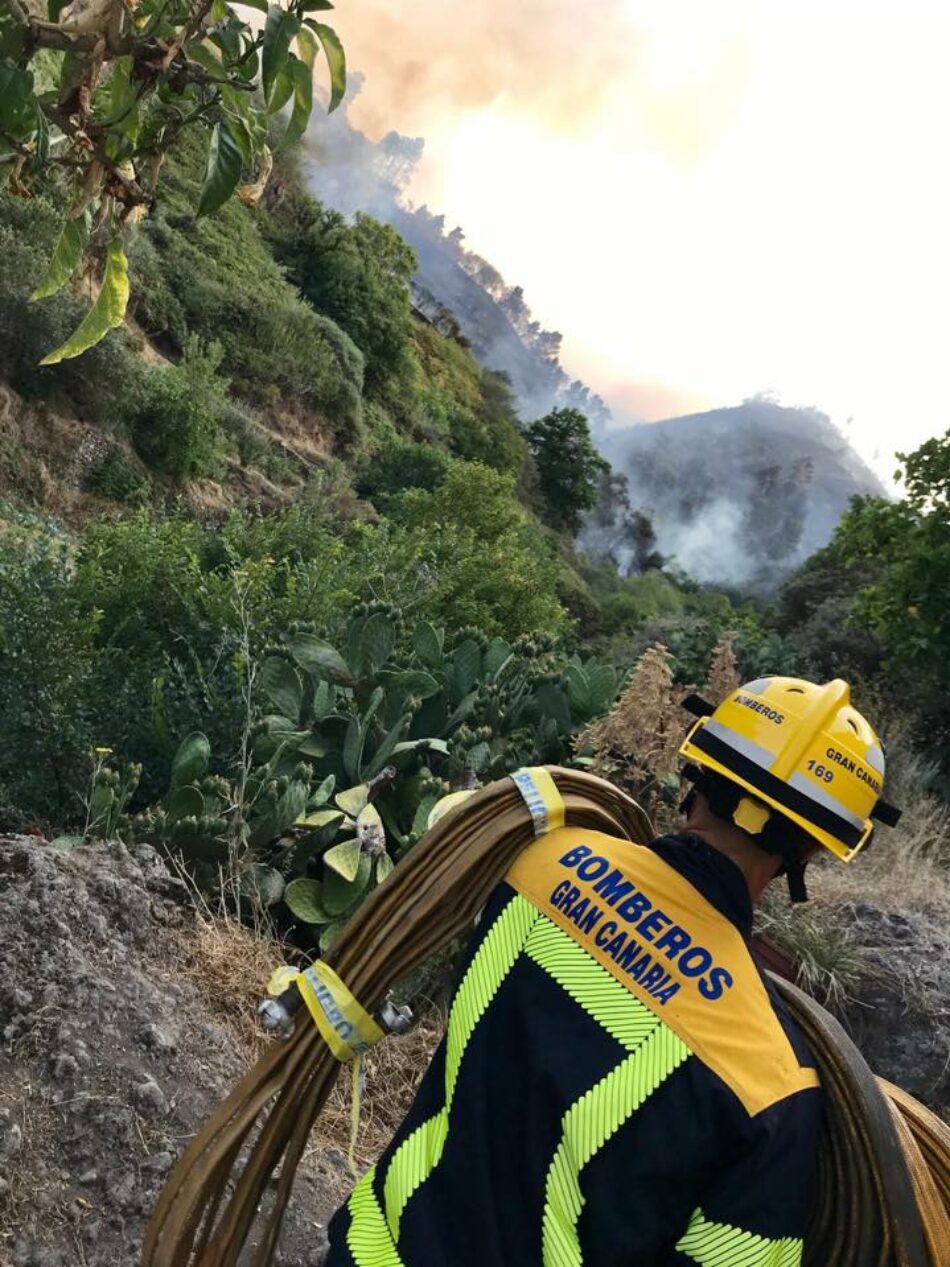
(741, 494)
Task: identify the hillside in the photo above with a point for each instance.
(451, 284)
(741, 496)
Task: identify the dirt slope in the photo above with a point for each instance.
(112, 1050)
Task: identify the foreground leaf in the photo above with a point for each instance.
(353, 799)
(303, 102)
(67, 256)
(330, 934)
(336, 60)
(279, 30)
(305, 899)
(340, 896)
(307, 46)
(184, 802)
(320, 818)
(105, 314)
(281, 683)
(318, 658)
(264, 884)
(225, 164)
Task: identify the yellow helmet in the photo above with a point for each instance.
(800, 749)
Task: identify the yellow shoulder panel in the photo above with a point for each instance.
(671, 948)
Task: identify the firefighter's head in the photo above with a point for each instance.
(793, 765)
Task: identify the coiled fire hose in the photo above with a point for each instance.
(885, 1164)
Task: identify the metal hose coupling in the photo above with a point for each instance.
(276, 1014)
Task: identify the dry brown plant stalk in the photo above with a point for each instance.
(723, 670)
(637, 743)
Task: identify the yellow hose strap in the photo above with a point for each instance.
(345, 1026)
(541, 797)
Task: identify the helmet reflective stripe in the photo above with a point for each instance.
(757, 687)
(749, 748)
(809, 788)
(875, 759)
(804, 750)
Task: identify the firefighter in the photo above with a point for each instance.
(619, 1085)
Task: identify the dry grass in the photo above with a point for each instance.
(907, 867)
(830, 960)
(723, 670)
(637, 744)
(26, 1105)
(230, 966)
(905, 870)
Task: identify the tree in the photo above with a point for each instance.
(569, 467)
(357, 274)
(95, 95)
(907, 544)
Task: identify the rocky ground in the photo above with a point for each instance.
(901, 1016)
(113, 1048)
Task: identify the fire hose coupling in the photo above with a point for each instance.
(345, 1025)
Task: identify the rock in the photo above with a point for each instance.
(156, 1039)
(12, 1140)
(158, 1163)
(319, 1250)
(149, 1095)
(64, 1066)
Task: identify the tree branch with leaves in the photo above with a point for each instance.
(94, 94)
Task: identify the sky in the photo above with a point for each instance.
(708, 198)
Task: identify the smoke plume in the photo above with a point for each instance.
(428, 59)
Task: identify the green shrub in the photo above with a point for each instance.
(47, 662)
(116, 477)
(483, 560)
(399, 465)
(172, 415)
(350, 749)
(355, 274)
(569, 467)
(469, 408)
(246, 436)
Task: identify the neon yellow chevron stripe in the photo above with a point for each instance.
(368, 1237)
(719, 1245)
(591, 986)
(419, 1154)
(586, 1127)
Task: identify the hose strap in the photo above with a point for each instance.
(345, 1026)
(541, 797)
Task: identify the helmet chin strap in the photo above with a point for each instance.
(795, 876)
